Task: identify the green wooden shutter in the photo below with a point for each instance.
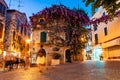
(43, 37)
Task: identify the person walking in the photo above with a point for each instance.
(41, 58)
(27, 64)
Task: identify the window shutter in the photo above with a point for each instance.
(43, 37)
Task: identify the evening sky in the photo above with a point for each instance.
(33, 6)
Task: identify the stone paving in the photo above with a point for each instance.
(87, 70)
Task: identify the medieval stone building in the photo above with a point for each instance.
(50, 40)
(17, 30)
(3, 8)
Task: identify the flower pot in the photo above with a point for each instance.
(55, 62)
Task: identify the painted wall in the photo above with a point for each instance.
(2, 24)
(113, 30)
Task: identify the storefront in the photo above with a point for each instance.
(97, 53)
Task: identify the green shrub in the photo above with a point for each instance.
(56, 56)
(56, 49)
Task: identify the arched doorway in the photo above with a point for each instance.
(68, 55)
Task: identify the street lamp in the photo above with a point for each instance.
(28, 41)
(82, 39)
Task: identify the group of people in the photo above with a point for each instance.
(12, 61)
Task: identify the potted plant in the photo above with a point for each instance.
(56, 56)
(56, 59)
(55, 49)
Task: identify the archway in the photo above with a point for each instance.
(67, 55)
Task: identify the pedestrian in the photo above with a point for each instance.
(41, 58)
(27, 62)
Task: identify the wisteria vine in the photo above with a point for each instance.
(56, 12)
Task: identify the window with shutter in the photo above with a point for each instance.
(43, 37)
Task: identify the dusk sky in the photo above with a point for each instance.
(33, 6)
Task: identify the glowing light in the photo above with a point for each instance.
(4, 53)
(19, 54)
(96, 53)
(82, 39)
(28, 41)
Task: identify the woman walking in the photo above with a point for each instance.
(41, 58)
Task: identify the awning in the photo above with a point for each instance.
(111, 43)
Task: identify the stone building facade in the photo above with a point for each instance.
(43, 37)
(17, 31)
(3, 9)
(50, 39)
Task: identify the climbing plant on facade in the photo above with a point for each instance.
(59, 18)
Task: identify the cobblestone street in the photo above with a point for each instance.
(88, 70)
